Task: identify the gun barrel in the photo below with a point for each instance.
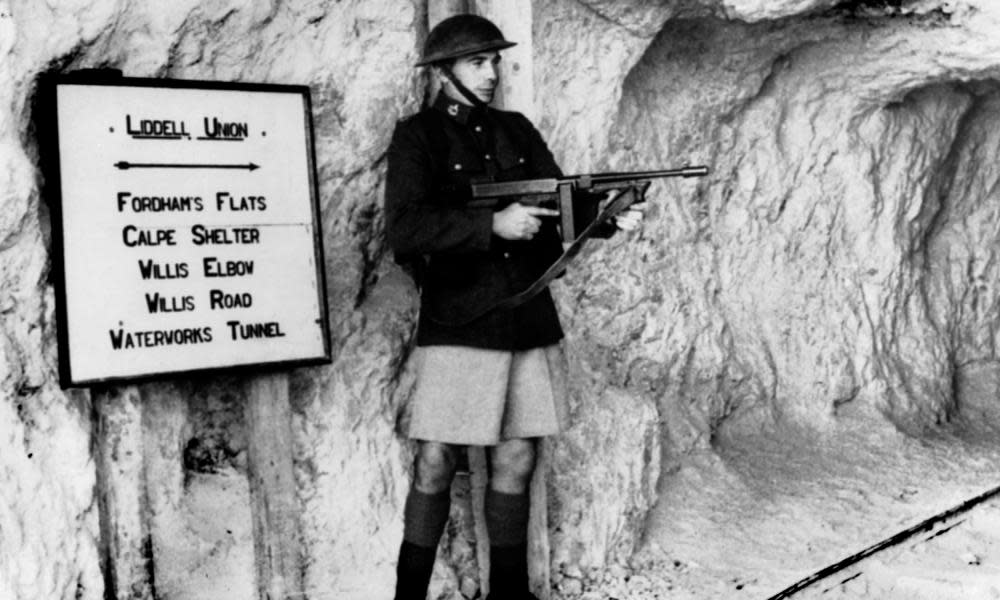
(696, 171)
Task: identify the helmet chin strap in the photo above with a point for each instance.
(474, 99)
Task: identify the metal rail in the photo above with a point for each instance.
(924, 525)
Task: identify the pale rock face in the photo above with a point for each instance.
(579, 76)
(841, 248)
(842, 252)
(760, 10)
(340, 51)
(602, 479)
(825, 192)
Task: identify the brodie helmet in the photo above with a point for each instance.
(459, 36)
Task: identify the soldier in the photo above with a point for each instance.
(495, 381)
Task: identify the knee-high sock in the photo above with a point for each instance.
(507, 524)
(424, 519)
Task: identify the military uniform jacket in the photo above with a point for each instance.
(433, 157)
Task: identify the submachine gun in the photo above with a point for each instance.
(572, 195)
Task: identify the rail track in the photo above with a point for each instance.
(947, 520)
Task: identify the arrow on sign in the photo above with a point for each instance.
(124, 164)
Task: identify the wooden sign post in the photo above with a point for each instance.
(273, 500)
(125, 541)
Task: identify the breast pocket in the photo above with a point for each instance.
(511, 167)
(463, 168)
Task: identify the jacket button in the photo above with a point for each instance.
(458, 167)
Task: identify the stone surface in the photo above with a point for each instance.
(829, 260)
(805, 236)
(833, 280)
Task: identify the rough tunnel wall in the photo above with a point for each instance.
(583, 50)
(814, 270)
(806, 274)
(350, 460)
(959, 251)
(48, 512)
(792, 277)
(602, 472)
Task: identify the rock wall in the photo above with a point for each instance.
(823, 245)
(836, 258)
(191, 453)
(841, 253)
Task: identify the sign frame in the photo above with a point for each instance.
(46, 122)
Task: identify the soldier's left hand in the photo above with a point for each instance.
(631, 218)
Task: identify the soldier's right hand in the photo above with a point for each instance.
(520, 222)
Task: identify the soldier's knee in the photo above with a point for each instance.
(435, 466)
(514, 458)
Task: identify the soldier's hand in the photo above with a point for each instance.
(631, 218)
(520, 222)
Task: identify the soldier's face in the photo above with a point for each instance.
(479, 72)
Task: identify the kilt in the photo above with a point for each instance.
(479, 397)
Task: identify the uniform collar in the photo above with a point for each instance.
(454, 109)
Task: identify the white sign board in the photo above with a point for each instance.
(189, 228)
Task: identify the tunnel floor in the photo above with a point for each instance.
(765, 510)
